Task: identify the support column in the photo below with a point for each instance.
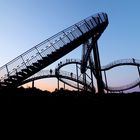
(106, 80)
(91, 75)
(58, 83)
(84, 79)
(137, 68)
(139, 73)
(100, 85)
(33, 84)
(77, 76)
(64, 86)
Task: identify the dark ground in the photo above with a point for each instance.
(66, 97)
(69, 109)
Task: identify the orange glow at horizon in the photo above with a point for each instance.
(46, 84)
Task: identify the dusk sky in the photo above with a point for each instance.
(25, 23)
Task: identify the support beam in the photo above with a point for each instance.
(84, 51)
(138, 73)
(7, 71)
(33, 84)
(100, 85)
(58, 83)
(137, 68)
(91, 74)
(64, 86)
(106, 80)
(84, 79)
(77, 76)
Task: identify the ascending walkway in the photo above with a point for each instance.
(50, 50)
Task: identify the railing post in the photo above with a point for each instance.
(79, 28)
(62, 41)
(7, 70)
(38, 52)
(66, 35)
(51, 44)
(72, 35)
(23, 60)
(100, 17)
(92, 22)
(95, 20)
(87, 25)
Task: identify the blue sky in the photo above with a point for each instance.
(25, 23)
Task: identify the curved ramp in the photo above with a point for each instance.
(62, 75)
(122, 62)
(52, 49)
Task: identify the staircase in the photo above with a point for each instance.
(40, 56)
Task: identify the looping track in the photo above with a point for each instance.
(122, 62)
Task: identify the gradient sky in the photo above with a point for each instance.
(25, 23)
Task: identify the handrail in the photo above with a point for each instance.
(132, 62)
(62, 74)
(51, 44)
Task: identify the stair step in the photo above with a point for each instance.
(41, 61)
(16, 77)
(22, 74)
(45, 58)
(2, 83)
(26, 70)
(37, 64)
(31, 67)
(8, 80)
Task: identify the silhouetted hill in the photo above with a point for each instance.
(29, 95)
(66, 97)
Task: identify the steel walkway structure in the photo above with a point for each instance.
(62, 75)
(117, 63)
(40, 56)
